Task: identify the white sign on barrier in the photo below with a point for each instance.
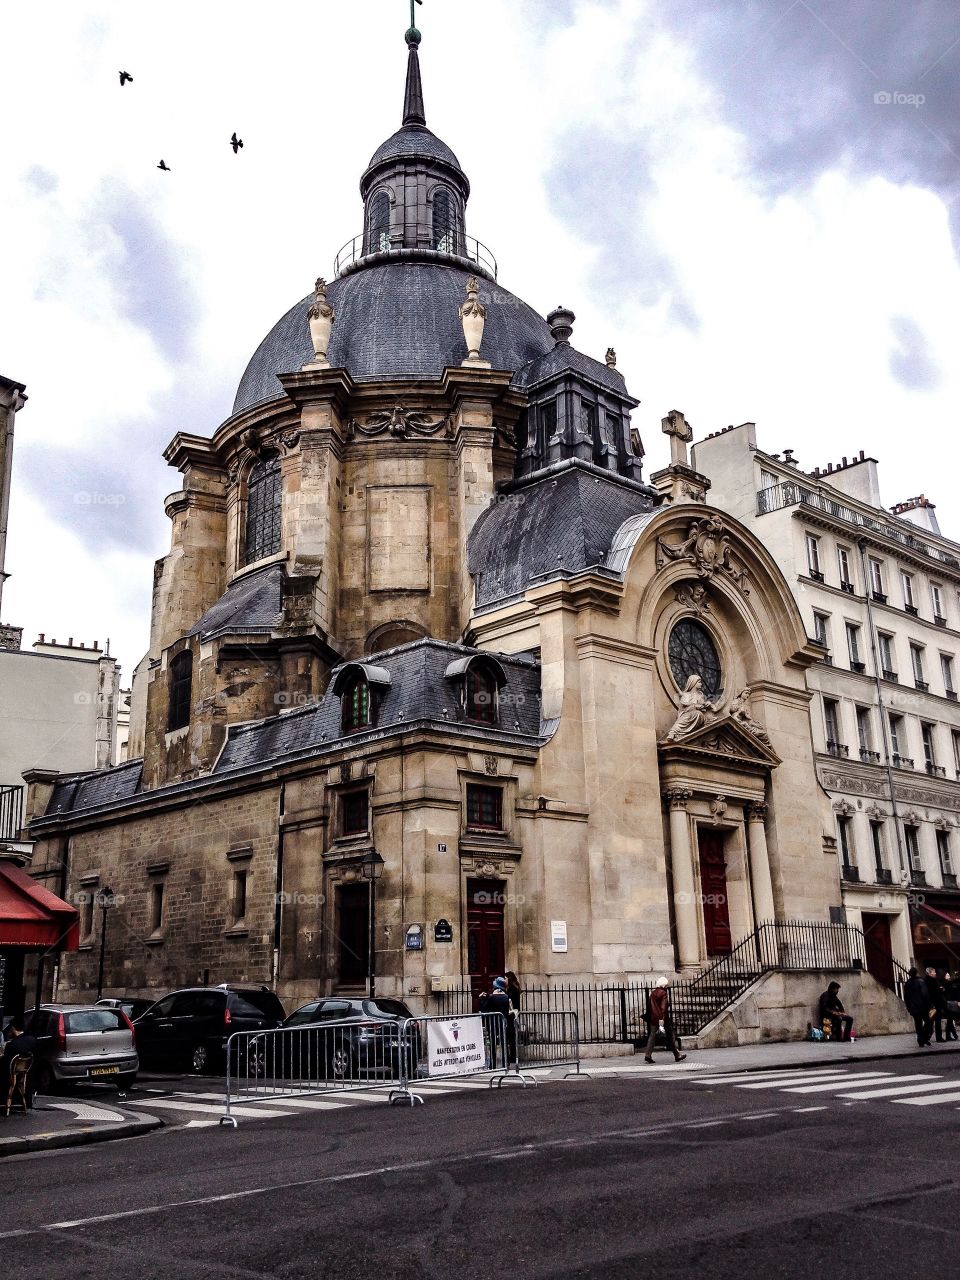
(455, 1046)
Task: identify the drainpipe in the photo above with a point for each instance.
(278, 894)
(884, 723)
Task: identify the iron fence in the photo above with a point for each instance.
(11, 812)
(615, 1013)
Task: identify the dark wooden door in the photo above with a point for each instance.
(354, 932)
(485, 952)
(713, 890)
(879, 957)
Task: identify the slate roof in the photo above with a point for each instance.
(563, 357)
(418, 691)
(397, 320)
(414, 140)
(252, 603)
(561, 520)
(90, 790)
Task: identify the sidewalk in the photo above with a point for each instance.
(769, 1057)
(69, 1122)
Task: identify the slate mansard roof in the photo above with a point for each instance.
(418, 693)
(561, 520)
(397, 320)
(251, 603)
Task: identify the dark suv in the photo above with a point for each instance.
(190, 1028)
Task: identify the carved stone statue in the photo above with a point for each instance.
(695, 707)
(473, 315)
(321, 317)
(740, 711)
(611, 358)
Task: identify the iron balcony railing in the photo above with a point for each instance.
(11, 812)
(466, 247)
(792, 493)
(615, 1013)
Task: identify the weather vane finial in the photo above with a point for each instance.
(413, 20)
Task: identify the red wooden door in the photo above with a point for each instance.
(485, 900)
(879, 957)
(713, 889)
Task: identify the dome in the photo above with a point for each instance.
(397, 320)
(414, 140)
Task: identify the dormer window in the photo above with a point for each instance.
(262, 533)
(444, 222)
(480, 678)
(378, 232)
(355, 705)
(180, 691)
(360, 686)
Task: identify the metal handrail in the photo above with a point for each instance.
(470, 247)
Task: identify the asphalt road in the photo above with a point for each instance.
(612, 1177)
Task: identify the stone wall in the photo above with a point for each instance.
(780, 1006)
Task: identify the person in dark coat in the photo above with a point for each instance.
(20, 1044)
(659, 1018)
(831, 1007)
(513, 990)
(938, 1001)
(919, 1004)
(497, 1001)
(951, 989)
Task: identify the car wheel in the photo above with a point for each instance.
(340, 1061)
(257, 1061)
(124, 1083)
(43, 1079)
(199, 1059)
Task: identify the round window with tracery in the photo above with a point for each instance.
(691, 652)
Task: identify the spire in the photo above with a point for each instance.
(413, 112)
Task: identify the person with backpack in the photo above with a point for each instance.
(660, 1019)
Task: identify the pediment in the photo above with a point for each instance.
(725, 740)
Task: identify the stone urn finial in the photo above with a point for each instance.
(473, 315)
(321, 317)
(561, 324)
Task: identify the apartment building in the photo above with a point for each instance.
(879, 591)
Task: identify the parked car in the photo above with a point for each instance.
(369, 1046)
(82, 1042)
(190, 1028)
(132, 1007)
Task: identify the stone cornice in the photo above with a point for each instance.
(585, 590)
(186, 450)
(318, 385)
(613, 649)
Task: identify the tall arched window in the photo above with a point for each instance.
(262, 534)
(181, 688)
(355, 704)
(378, 233)
(481, 694)
(444, 222)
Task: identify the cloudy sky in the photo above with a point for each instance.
(757, 202)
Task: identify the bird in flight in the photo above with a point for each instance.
(124, 77)
(164, 166)
(236, 143)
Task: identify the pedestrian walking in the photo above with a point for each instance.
(660, 1019)
(916, 997)
(831, 1006)
(951, 988)
(938, 1001)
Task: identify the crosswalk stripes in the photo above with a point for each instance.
(918, 1089)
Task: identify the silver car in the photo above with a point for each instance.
(82, 1042)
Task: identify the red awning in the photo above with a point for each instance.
(952, 917)
(31, 916)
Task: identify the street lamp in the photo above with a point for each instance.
(371, 867)
(104, 900)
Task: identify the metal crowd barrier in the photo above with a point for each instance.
(353, 1055)
(542, 1038)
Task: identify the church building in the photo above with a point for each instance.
(438, 685)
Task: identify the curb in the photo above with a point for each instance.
(79, 1137)
(817, 1063)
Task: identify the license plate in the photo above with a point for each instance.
(104, 1071)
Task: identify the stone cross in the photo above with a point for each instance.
(680, 432)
